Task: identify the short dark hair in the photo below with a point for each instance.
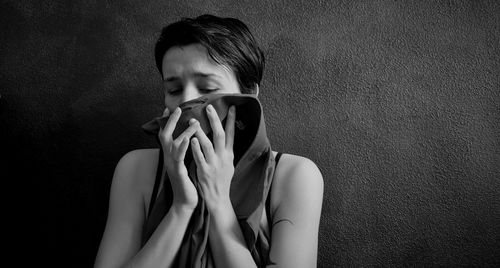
(228, 41)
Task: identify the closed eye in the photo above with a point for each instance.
(174, 92)
(208, 90)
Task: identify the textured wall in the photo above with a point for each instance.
(397, 103)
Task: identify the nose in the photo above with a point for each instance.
(190, 92)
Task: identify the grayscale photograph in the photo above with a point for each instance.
(235, 134)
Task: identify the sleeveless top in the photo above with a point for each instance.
(252, 178)
(156, 187)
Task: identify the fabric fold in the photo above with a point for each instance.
(253, 174)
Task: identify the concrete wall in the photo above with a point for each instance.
(397, 103)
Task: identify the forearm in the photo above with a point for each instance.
(164, 243)
(226, 239)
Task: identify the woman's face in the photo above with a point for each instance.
(189, 73)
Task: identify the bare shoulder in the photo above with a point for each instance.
(297, 178)
(297, 170)
(296, 202)
(122, 234)
(140, 167)
(138, 161)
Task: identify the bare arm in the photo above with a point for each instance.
(226, 239)
(299, 194)
(294, 242)
(120, 245)
(162, 247)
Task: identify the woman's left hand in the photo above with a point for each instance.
(214, 162)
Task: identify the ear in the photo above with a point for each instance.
(256, 90)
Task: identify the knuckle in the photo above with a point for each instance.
(162, 134)
(218, 134)
(177, 143)
(195, 127)
(162, 138)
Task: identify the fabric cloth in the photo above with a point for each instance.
(253, 174)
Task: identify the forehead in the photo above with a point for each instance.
(191, 59)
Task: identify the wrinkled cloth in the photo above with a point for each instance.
(253, 174)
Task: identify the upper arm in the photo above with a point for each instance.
(296, 218)
(122, 235)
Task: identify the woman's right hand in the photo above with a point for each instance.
(174, 151)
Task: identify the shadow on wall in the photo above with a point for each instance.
(78, 162)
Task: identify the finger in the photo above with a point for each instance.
(166, 112)
(231, 117)
(181, 153)
(193, 127)
(171, 123)
(217, 130)
(206, 145)
(198, 156)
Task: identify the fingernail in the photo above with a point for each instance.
(192, 121)
(177, 110)
(209, 107)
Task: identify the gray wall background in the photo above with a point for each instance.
(398, 103)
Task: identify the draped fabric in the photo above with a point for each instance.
(253, 174)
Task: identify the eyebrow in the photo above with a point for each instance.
(196, 74)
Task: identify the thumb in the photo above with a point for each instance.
(159, 119)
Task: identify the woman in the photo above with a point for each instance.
(200, 57)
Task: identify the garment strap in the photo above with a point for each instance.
(268, 199)
(159, 170)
